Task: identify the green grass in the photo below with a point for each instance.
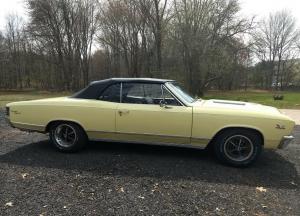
(291, 99)
(12, 96)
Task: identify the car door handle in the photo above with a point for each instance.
(123, 112)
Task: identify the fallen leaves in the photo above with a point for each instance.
(261, 189)
(9, 204)
(141, 197)
(24, 175)
(155, 188)
(121, 190)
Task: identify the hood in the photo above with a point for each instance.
(238, 106)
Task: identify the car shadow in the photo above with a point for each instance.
(170, 163)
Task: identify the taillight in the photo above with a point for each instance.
(7, 111)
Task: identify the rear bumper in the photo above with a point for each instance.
(9, 122)
(286, 140)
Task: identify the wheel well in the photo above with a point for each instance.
(234, 128)
(50, 124)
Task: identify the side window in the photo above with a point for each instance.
(111, 94)
(141, 93)
(133, 90)
(145, 93)
(153, 90)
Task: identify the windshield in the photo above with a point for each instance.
(175, 87)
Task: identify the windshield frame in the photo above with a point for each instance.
(175, 88)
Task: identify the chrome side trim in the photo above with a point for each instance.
(171, 140)
(21, 123)
(28, 127)
(121, 92)
(151, 143)
(175, 96)
(228, 103)
(165, 87)
(142, 134)
(162, 91)
(201, 138)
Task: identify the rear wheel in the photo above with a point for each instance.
(67, 137)
(238, 147)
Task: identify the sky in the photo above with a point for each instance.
(258, 8)
(11, 7)
(262, 8)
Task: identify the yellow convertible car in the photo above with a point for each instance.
(155, 111)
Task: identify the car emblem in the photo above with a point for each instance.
(280, 127)
(16, 112)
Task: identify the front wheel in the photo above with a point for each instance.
(67, 137)
(238, 147)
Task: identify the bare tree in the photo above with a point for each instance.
(122, 31)
(157, 16)
(207, 32)
(65, 29)
(202, 43)
(274, 42)
(14, 38)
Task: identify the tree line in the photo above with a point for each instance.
(204, 44)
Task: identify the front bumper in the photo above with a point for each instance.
(286, 140)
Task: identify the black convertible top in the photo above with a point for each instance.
(94, 89)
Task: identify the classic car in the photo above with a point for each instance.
(155, 111)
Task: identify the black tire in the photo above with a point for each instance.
(250, 138)
(78, 143)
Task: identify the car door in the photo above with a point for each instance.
(144, 116)
(102, 114)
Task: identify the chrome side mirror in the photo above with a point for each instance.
(163, 104)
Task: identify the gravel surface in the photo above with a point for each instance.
(127, 179)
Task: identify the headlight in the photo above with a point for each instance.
(7, 111)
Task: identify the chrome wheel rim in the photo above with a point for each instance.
(238, 148)
(65, 135)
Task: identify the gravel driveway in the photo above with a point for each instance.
(127, 179)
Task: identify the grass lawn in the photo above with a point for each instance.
(12, 96)
(291, 99)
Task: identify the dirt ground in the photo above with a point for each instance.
(127, 179)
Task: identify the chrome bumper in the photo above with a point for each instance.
(286, 140)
